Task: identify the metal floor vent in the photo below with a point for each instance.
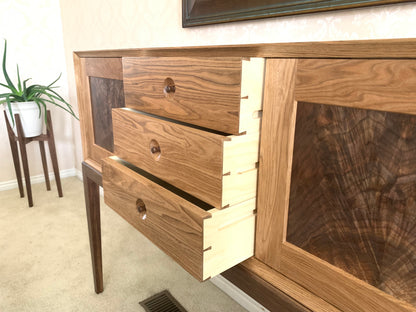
(162, 302)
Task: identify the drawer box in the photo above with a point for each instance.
(220, 93)
(218, 169)
(204, 240)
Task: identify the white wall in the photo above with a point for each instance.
(33, 30)
(115, 24)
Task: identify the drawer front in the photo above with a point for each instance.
(198, 162)
(205, 242)
(168, 220)
(216, 93)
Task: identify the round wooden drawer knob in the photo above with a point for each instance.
(141, 208)
(169, 88)
(155, 149)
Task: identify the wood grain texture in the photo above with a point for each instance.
(171, 223)
(50, 138)
(334, 285)
(44, 165)
(252, 86)
(388, 85)
(241, 153)
(187, 158)
(91, 151)
(15, 154)
(331, 283)
(207, 90)
(109, 68)
(92, 179)
(84, 104)
(228, 237)
(387, 48)
(375, 49)
(288, 286)
(279, 109)
(260, 290)
(353, 193)
(105, 95)
(23, 153)
(21, 140)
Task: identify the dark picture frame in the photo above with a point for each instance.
(203, 12)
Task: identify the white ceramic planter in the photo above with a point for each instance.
(29, 115)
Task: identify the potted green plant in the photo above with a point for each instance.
(30, 102)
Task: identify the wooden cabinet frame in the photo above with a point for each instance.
(278, 267)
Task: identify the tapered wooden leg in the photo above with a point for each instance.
(44, 164)
(92, 204)
(16, 161)
(23, 153)
(15, 155)
(52, 150)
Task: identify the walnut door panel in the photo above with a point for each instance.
(342, 222)
(219, 93)
(105, 95)
(99, 89)
(203, 240)
(353, 193)
(220, 170)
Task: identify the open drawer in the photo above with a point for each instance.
(202, 239)
(217, 168)
(219, 93)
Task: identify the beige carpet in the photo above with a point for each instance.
(45, 262)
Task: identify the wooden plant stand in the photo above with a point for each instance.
(22, 141)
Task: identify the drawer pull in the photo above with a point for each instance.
(169, 87)
(141, 208)
(155, 149)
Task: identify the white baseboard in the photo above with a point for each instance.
(238, 295)
(79, 174)
(8, 185)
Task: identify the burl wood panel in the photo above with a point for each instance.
(206, 91)
(353, 193)
(105, 95)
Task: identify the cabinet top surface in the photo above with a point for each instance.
(386, 48)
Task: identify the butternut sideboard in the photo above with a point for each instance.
(290, 168)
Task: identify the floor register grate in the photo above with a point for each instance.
(162, 302)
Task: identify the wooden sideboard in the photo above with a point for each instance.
(299, 157)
